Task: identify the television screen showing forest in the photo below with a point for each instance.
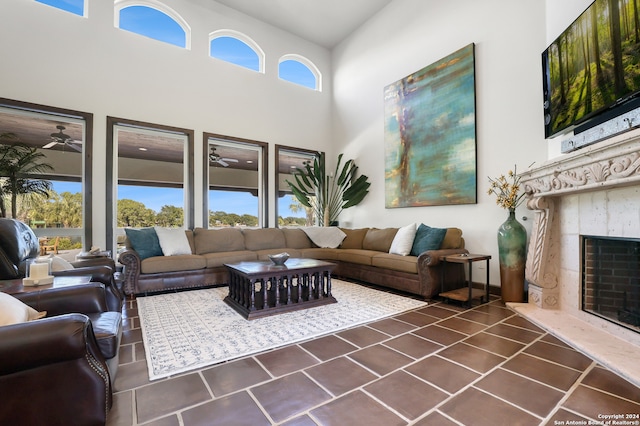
(593, 65)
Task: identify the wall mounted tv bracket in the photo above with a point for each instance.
(620, 124)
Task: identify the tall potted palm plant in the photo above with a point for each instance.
(18, 162)
(328, 194)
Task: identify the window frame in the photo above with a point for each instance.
(112, 180)
(264, 147)
(87, 152)
(278, 148)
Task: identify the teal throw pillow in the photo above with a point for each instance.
(427, 238)
(144, 241)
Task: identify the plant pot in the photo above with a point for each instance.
(512, 249)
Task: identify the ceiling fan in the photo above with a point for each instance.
(215, 158)
(60, 138)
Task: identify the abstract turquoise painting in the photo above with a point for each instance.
(430, 134)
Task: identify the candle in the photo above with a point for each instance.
(38, 270)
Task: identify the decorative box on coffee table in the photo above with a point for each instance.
(260, 288)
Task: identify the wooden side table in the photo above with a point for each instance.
(15, 285)
(467, 293)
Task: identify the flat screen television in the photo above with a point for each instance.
(591, 72)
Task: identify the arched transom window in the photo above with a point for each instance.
(152, 19)
(236, 48)
(299, 70)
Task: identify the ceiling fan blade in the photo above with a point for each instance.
(230, 160)
(50, 145)
(222, 163)
(75, 147)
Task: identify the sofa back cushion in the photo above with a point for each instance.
(354, 238)
(296, 238)
(379, 239)
(262, 239)
(217, 240)
(453, 239)
(144, 241)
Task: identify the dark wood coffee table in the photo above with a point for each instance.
(258, 289)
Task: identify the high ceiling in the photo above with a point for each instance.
(324, 22)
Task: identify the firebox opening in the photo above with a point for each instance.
(611, 279)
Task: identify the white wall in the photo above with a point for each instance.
(411, 34)
(54, 58)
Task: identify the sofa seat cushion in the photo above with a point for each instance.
(319, 253)
(215, 260)
(107, 327)
(263, 254)
(181, 262)
(396, 262)
(362, 257)
(218, 240)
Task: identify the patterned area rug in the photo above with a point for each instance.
(193, 329)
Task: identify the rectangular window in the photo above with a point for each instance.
(57, 147)
(151, 177)
(236, 182)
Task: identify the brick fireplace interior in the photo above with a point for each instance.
(594, 191)
(611, 279)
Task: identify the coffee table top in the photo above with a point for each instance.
(260, 267)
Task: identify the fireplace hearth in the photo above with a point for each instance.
(611, 279)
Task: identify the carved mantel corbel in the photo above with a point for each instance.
(541, 269)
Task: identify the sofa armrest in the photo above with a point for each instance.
(432, 257)
(430, 271)
(85, 299)
(95, 261)
(100, 274)
(130, 259)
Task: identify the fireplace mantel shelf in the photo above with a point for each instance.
(608, 164)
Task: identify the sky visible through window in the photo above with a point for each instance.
(152, 23)
(297, 73)
(235, 51)
(73, 6)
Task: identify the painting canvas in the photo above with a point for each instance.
(430, 135)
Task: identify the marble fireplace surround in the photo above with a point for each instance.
(592, 191)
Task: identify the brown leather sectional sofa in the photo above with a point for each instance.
(362, 256)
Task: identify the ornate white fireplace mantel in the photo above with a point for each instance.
(611, 164)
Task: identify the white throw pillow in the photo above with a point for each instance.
(173, 241)
(13, 311)
(403, 241)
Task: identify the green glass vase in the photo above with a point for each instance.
(512, 249)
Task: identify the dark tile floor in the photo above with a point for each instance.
(437, 365)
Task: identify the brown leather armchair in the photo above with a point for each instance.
(59, 370)
(19, 246)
